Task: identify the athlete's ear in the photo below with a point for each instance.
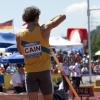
(37, 18)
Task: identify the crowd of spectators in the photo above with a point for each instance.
(8, 68)
(76, 57)
(75, 64)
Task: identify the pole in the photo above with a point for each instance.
(95, 9)
(13, 26)
(89, 45)
(72, 88)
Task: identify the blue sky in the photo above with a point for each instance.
(75, 10)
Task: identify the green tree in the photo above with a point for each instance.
(95, 40)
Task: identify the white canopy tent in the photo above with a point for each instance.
(61, 43)
(97, 53)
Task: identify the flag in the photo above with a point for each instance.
(24, 25)
(6, 25)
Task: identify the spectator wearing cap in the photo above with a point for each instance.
(77, 69)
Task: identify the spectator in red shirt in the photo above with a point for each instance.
(60, 58)
(2, 69)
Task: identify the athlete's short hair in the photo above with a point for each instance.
(30, 13)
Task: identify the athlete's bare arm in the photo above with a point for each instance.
(18, 43)
(46, 28)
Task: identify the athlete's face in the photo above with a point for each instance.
(21, 70)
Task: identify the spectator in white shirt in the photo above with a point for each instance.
(84, 70)
(10, 69)
(77, 69)
(18, 80)
(72, 74)
(84, 59)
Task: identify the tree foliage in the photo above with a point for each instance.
(95, 40)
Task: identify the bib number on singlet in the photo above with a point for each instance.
(32, 49)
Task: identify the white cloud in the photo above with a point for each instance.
(82, 7)
(76, 7)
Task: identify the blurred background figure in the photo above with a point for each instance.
(18, 80)
(10, 69)
(2, 69)
(1, 87)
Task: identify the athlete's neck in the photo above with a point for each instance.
(31, 26)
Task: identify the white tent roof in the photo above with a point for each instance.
(97, 53)
(61, 43)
